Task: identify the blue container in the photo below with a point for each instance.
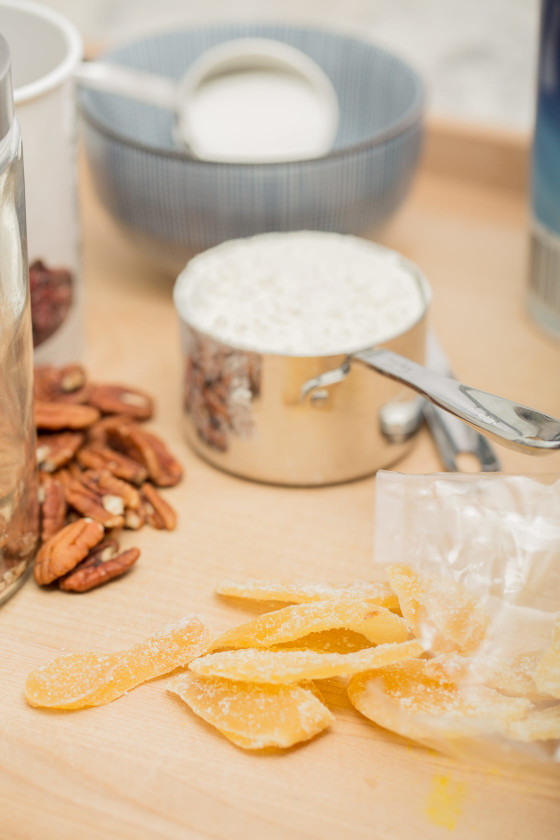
(544, 269)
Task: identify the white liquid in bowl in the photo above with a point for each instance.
(256, 115)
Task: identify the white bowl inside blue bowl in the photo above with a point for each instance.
(175, 205)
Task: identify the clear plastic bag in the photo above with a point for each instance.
(482, 591)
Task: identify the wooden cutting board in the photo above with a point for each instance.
(144, 766)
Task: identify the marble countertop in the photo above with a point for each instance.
(478, 56)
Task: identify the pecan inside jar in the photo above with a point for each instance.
(51, 292)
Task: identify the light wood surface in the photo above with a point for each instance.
(493, 158)
(144, 766)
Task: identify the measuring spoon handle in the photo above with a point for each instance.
(511, 424)
(130, 82)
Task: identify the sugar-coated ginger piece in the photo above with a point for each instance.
(538, 725)
(413, 699)
(512, 675)
(515, 675)
(254, 716)
(339, 640)
(376, 623)
(288, 666)
(299, 592)
(547, 671)
(445, 615)
(93, 679)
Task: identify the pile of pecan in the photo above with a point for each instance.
(98, 473)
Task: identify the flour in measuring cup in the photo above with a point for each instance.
(306, 293)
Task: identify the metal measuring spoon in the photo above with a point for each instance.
(511, 424)
(457, 443)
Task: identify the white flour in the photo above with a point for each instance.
(302, 294)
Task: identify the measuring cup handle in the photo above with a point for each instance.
(515, 426)
(130, 82)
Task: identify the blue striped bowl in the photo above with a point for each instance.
(176, 206)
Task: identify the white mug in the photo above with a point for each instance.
(45, 50)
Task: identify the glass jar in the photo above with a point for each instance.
(18, 477)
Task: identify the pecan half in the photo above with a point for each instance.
(53, 508)
(56, 450)
(118, 399)
(64, 475)
(134, 519)
(101, 565)
(63, 551)
(163, 469)
(72, 379)
(159, 513)
(58, 415)
(104, 482)
(65, 384)
(97, 433)
(105, 508)
(98, 456)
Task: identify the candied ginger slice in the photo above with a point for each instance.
(72, 677)
(408, 699)
(547, 672)
(90, 679)
(254, 716)
(329, 641)
(538, 725)
(300, 592)
(512, 675)
(439, 610)
(286, 666)
(515, 675)
(376, 623)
